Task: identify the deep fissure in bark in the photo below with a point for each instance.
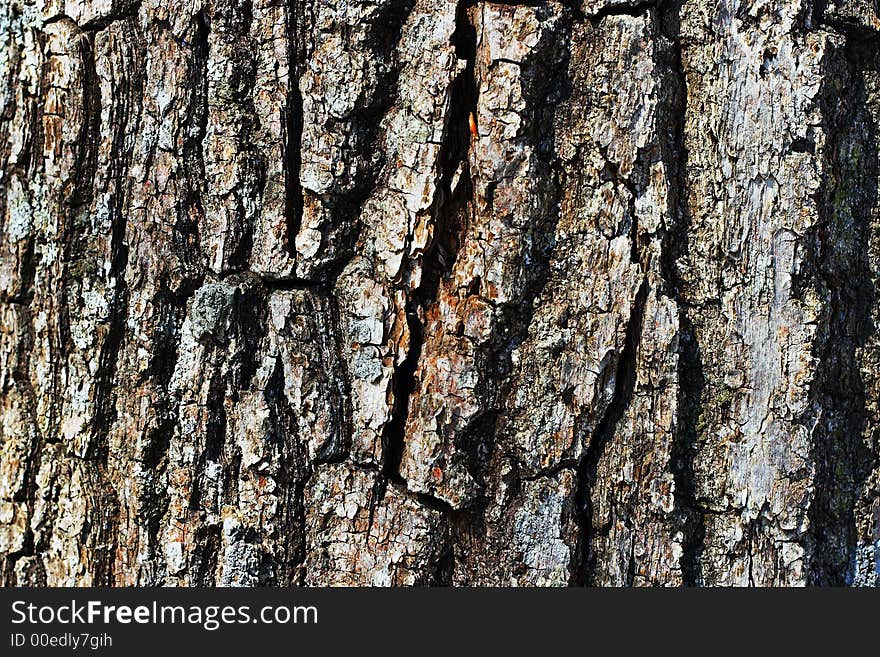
(187, 229)
(76, 260)
(171, 305)
(449, 213)
(342, 383)
(235, 28)
(839, 266)
(691, 385)
(279, 569)
(293, 131)
(584, 565)
(691, 379)
(403, 385)
(583, 562)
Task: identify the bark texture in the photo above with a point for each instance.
(407, 292)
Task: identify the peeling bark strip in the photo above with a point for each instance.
(402, 292)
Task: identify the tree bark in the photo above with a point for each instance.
(407, 292)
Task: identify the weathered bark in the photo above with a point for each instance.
(398, 292)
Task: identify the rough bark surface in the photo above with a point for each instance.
(407, 292)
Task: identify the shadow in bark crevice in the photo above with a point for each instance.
(841, 250)
(691, 376)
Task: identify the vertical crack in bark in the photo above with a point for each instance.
(631, 565)
(444, 571)
(294, 126)
(235, 31)
(279, 566)
(839, 267)
(691, 384)
(449, 210)
(671, 142)
(104, 534)
(452, 206)
(342, 382)
(403, 385)
(171, 305)
(624, 386)
(691, 379)
(77, 256)
(751, 540)
(194, 145)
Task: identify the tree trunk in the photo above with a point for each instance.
(396, 292)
